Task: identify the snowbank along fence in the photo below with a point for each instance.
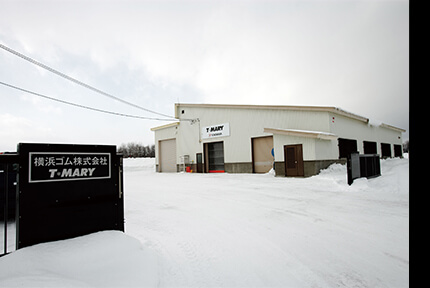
(61, 191)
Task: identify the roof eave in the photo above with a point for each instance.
(165, 126)
(298, 133)
(393, 128)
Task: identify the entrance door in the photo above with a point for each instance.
(293, 157)
(214, 157)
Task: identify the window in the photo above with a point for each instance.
(385, 150)
(398, 150)
(369, 147)
(346, 147)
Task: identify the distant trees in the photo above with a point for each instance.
(134, 149)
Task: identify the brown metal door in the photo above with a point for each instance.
(293, 157)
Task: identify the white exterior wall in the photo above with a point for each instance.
(280, 140)
(249, 122)
(351, 129)
(326, 149)
(313, 149)
(244, 125)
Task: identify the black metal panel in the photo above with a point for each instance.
(370, 166)
(61, 195)
(363, 165)
(8, 183)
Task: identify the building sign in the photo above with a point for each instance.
(219, 130)
(67, 166)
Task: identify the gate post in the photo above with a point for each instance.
(6, 160)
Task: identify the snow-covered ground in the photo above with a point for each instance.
(237, 230)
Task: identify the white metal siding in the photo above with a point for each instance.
(279, 141)
(357, 130)
(249, 123)
(167, 156)
(244, 125)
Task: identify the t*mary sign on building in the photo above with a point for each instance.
(219, 130)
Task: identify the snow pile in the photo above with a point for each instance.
(139, 164)
(103, 259)
(237, 230)
(394, 179)
(375, 122)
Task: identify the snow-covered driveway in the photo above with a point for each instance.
(236, 230)
(244, 230)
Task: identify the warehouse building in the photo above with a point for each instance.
(294, 140)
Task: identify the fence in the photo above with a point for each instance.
(8, 187)
(363, 165)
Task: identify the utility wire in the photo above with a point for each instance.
(82, 106)
(31, 60)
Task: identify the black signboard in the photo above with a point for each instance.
(67, 190)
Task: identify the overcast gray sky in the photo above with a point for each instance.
(349, 54)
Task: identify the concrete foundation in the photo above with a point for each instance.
(245, 167)
(311, 168)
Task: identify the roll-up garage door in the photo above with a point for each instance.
(167, 156)
(262, 154)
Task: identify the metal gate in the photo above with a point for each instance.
(362, 165)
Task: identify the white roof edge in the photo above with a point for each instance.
(332, 109)
(392, 127)
(302, 133)
(165, 126)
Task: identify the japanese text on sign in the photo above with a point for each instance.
(56, 166)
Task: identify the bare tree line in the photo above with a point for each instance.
(134, 149)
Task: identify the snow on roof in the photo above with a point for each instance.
(302, 133)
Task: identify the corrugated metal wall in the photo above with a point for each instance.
(244, 125)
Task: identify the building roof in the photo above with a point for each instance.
(335, 110)
(332, 109)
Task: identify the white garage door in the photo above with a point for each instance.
(167, 156)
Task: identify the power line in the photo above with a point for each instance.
(82, 106)
(31, 60)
